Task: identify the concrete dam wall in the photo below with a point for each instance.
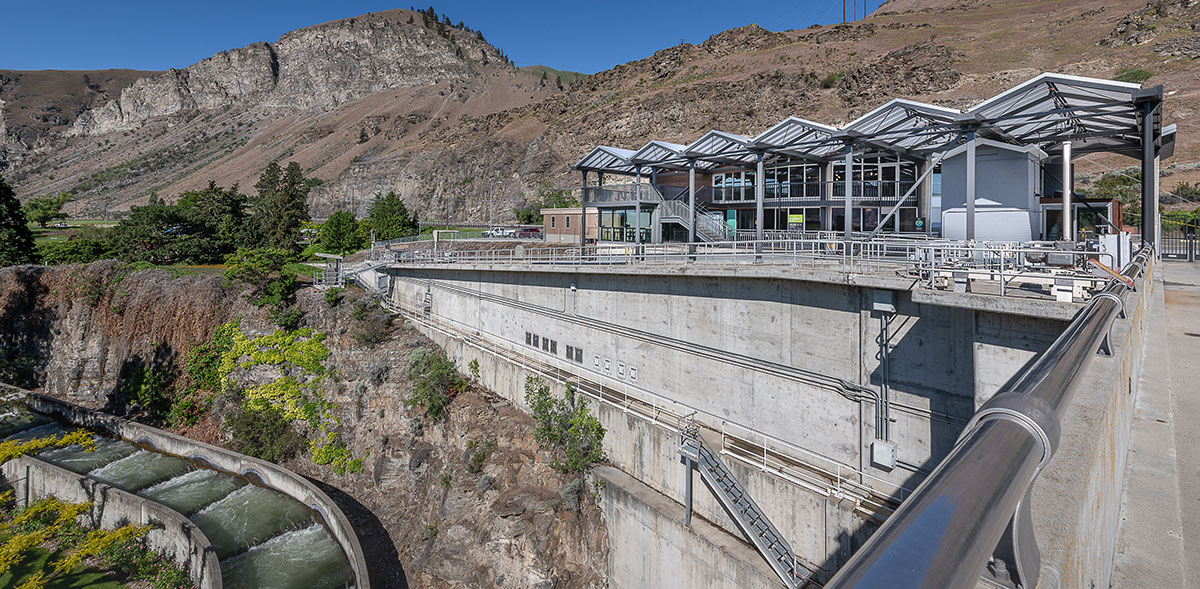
(783, 374)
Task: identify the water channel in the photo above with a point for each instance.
(263, 538)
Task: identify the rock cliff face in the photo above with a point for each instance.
(426, 515)
(312, 69)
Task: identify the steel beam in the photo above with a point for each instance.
(1068, 182)
(849, 188)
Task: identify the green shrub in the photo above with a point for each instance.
(287, 318)
(76, 251)
(831, 80)
(434, 382)
(334, 295)
(473, 367)
(565, 427)
(1132, 75)
(263, 433)
(150, 387)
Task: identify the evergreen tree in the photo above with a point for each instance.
(269, 180)
(339, 234)
(219, 213)
(390, 218)
(16, 240)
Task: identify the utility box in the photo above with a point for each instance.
(885, 301)
(883, 455)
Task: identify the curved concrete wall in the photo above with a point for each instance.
(271, 475)
(173, 533)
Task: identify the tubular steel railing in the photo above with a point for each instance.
(974, 506)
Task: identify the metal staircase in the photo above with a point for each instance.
(707, 228)
(744, 512)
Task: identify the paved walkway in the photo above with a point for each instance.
(1182, 289)
(1159, 541)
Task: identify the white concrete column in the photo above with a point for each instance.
(849, 189)
(637, 209)
(1068, 184)
(583, 213)
(970, 185)
(692, 201)
(760, 189)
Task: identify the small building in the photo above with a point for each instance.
(562, 225)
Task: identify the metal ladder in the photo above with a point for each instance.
(744, 512)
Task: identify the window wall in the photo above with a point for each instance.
(877, 177)
(618, 225)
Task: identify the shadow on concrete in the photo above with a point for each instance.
(383, 562)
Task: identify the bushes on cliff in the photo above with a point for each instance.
(16, 240)
(264, 434)
(434, 382)
(565, 426)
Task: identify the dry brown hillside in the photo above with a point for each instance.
(443, 144)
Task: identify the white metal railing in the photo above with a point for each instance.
(785, 460)
(935, 263)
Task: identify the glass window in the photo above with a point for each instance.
(568, 218)
(812, 219)
(536, 343)
(579, 355)
(552, 219)
(908, 219)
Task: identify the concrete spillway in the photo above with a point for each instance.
(262, 537)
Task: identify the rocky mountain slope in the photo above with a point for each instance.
(448, 129)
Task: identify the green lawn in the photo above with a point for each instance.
(37, 560)
(52, 233)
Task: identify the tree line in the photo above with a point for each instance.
(202, 226)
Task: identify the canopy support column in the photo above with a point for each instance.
(583, 214)
(759, 194)
(1068, 182)
(970, 224)
(692, 201)
(849, 177)
(637, 210)
(1150, 223)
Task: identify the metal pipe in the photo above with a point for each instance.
(943, 535)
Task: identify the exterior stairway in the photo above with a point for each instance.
(744, 512)
(707, 228)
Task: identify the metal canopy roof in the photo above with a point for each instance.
(1095, 115)
(719, 146)
(906, 127)
(800, 138)
(1053, 108)
(605, 159)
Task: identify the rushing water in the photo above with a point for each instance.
(248, 516)
(307, 557)
(263, 538)
(193, 491)
(140, 470)
(75, 459)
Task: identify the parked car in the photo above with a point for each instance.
(529, 233)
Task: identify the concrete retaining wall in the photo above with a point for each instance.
(773, 353)
(173, 534)
(1076, 500)
(271, 475)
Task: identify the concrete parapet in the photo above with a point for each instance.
(172, 533)
(271, 475)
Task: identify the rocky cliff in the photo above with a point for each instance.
(312, 69)
(426, 514)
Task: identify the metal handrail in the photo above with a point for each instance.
(945, 533)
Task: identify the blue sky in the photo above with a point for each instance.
(587, 36)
